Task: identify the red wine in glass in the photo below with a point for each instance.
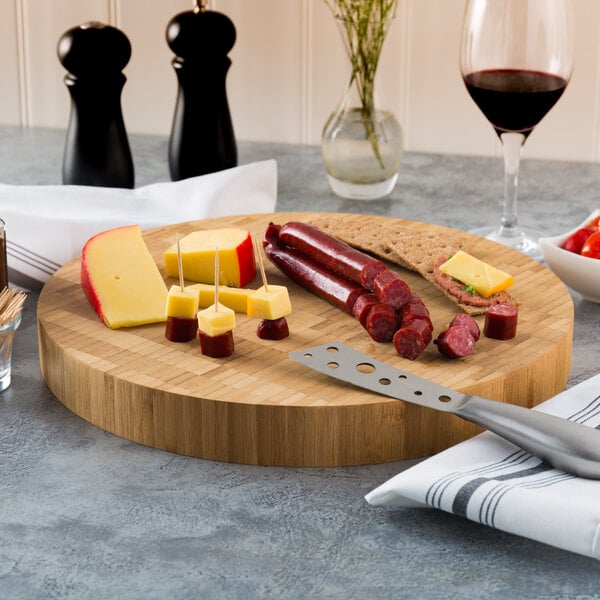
(516, 59)
(514, 99)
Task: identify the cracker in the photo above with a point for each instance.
(413, 249)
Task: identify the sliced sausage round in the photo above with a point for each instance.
(469, 322)
(391, 289)
(501, 322)
(455, 342)
(411, 340)
(381, 322)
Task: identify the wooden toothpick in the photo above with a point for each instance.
(261, 265)
(217, 279)
(11, 303)
(179, 264)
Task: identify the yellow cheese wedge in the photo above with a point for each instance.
(234, 298)
(216, 321)
(485, 279)
(236, 257)
(121, 280)
(182, 303)
(271, 303)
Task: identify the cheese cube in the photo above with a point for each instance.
(234, 298)
(485, 279)
(271, 303)
(182, 304)
(121, 280)
(216, 320)
(236, 257)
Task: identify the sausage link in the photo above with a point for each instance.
(332, 253)
(311, 275)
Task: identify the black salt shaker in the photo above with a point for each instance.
(97, 149)
(202, 138)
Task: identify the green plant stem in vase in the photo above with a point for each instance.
(358, 122)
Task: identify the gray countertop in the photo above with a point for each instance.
(85, 514)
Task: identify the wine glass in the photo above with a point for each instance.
(516, 60)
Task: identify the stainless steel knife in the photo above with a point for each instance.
(564, 444)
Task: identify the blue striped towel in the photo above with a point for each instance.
(491, 481)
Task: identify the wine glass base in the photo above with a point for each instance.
(523, 240)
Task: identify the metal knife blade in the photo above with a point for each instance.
(564, 444)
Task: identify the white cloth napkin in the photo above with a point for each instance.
(489, 480)
(46, 226)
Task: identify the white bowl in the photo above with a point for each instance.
(578, 272)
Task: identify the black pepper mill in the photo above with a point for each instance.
(96, 150)
(202, 139)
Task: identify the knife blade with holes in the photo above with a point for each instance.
(564, 444)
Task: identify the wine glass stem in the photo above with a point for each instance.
(512, 145)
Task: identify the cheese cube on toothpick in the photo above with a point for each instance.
(217, 319)
(269, 301)
(182, 302)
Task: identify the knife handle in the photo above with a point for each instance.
(562, 443)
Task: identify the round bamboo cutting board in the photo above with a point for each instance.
(261, 407)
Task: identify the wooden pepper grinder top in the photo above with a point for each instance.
(97, 149)
(202, 138)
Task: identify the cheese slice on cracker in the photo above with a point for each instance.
(418, 250)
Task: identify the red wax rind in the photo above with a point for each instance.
(501, 322)
(273, 329)
(181, 330)
(246, 262)
(216, 346)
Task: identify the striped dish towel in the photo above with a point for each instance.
(491, 481)
(46, 226)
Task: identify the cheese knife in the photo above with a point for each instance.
(564, 444)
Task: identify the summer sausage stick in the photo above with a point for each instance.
(331, 252)
(310, 274)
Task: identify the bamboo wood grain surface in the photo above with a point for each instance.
(259, 406)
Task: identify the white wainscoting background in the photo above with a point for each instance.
(289, 72)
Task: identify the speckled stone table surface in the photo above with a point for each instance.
(85, 514)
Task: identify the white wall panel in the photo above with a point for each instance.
(149, 95)
(10, 63)
(265, 81)
(289, 70)
(44, 23)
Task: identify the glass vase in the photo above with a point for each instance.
(362, 144)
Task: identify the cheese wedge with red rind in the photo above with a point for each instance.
(121, 280)
(237, 266)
